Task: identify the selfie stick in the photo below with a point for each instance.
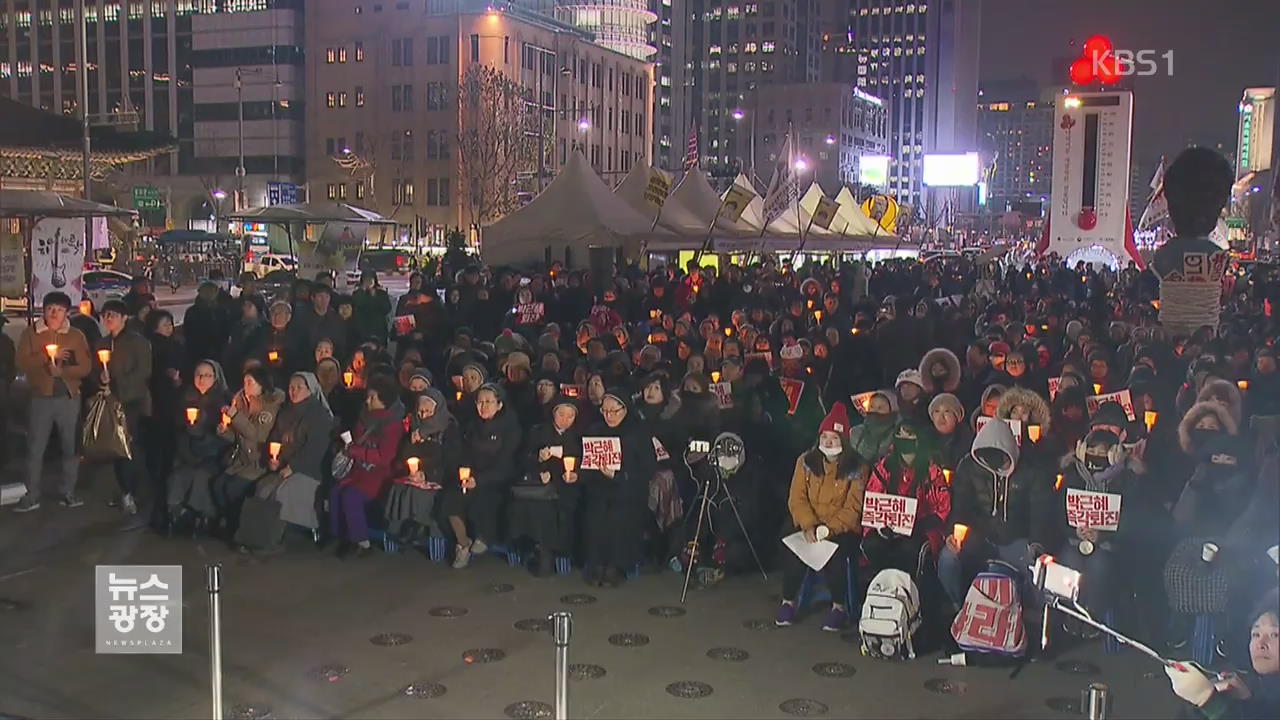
(1079, 613)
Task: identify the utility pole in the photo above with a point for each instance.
(82, 48)
(240, 131)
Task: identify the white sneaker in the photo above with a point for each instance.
(478, 547)
(461, 557)
(128, 505)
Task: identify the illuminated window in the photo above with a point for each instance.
(766, 47)
(330, 99)
(342, 99)
(359, 52)
(715, 50)
(342, 55)
(359, 96)
(750, 48)
(330, 56)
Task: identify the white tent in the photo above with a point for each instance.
(577, 211)
(695, 195)
(851, 212)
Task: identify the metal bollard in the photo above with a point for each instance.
(1096, 698)
(563, 629)
(213, 578)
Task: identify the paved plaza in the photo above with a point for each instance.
(395, 636)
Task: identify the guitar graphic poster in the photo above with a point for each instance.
(57, 258)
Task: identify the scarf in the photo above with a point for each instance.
(313, 387)
(438, 422)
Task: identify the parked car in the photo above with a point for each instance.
(262, 265)
(103, 285)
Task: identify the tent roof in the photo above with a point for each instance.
(695, 196)
(851, 212)
(577, 209)
(314, 212)
(46, 203)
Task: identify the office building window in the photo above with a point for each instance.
(359, 191)
(330, 56)
(342, 99)
(332, 191)
(475, 48)
(359, 52)
(433, 192)
(342, 54)
(437, 96)
(408, 145)
(330, 99)
(359, 96)
(397, 98)
(444, 192)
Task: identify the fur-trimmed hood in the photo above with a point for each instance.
(1040, 414)
(950, 381)
(1217, 387)
(1199, 411)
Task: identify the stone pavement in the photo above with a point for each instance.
(395, 636)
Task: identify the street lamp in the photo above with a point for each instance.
(801, 165)
(738, 114)
(219, 194)
(584, 124)
(831, 140)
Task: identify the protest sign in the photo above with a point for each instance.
(659, 451)
(1096, 510)
(530, 313)
(1054, 382)
(862, 401)
(724, 394)
(896, 512)
(1093, 402)
(601, 453)
(794, 389)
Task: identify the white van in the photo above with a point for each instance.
(265, 263)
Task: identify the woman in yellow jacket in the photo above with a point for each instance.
(826, 503)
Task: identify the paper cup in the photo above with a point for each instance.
(192, 414)
(348, 378)
(1209, 551)
(104, 356)
(823, 532)
(346, 437)
(226, 419)
(1149, 419)
(1097, 388)
(946, 474)
(273, 356)
(413, 463)
(1242, 384)
(1086, 548)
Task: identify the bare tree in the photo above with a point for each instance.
(498, 141)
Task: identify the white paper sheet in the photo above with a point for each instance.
(815, 555)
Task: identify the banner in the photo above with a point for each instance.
(735, 202)
(657, 189)
(794, 389)
(530, 313)
(601, 453)
(1014, 425)
(825, 212)
(1093, 402)
(13, 271)
(895, 512)
(1095, 510)
(404, 324)
(57, 258)
(724, 394)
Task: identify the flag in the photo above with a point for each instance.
(825, 212)
(784, 186)
(735, 201)
(1157, 210)
(657, 189)
(691, 148)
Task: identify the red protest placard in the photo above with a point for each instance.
(1054, 382)
(530, 313)
(405, 323)
(1093, 402)
(659, 451)
(862, 401)
(601, 453)
(724, 394)
(896, 512)
(794, 389)
(570, 390)
(1097, 510)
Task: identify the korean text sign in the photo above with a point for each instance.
(138, 609)
(1096, 510)
(601, 453)
(896, 512)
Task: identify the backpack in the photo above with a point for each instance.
(991, 619)
(890, 616)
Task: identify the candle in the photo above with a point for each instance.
(459, 396)
(570, 463)
(273, 356)
(104, 356)
(1033, 432)
(86, 307)
(960, 533)
(464, 474)
(413, 464)
(226, 419)
(715, 376)
(728, 332)
(192, 414)
(1242, 384)
(51, 351)
(1057, 484)
(817, 315)
(1149, 418)
(1031, 329)
(1097, 388)
(946, 474)
(853, 331)
(349, 378)
(274, 449)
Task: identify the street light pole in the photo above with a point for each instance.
(240, 130)
(83, 49)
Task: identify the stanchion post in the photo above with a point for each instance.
(1096, 699)
(562, 626)
(213, 578)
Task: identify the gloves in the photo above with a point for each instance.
(1189, 683)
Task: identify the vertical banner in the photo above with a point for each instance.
(57, 258)
(13, 270)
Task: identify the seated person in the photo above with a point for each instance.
(372, 451)
(490, 445)
(544, 500)
(434, 442)
(252, 414)
(198, 448)
(1251, 695)
(910, 470)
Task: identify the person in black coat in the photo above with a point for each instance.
(278, 346)
(435, 439)
(197, 446)
(168, 363)
(617, 492)
(490, 446)
(545, 497)
(206, 325)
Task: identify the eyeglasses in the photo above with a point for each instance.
(612, 411)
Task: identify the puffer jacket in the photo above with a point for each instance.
(249, 429)
(932, 494)
(826, 498)
(1000, 506)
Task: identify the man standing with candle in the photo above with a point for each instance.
(55, 394)
(128, 374)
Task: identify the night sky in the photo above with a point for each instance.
(1220, 47)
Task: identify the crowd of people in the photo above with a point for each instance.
(592, 419)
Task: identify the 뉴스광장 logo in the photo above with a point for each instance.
(138, 609)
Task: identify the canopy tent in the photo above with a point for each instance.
(48, 204)
(340, 242)
(576, 212)
(695, 194)
(311, 212)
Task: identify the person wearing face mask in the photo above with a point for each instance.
(197, 449)
(939, 372)
(1252, 694)
(435, 439)
(1031, 410)
(955, 437)
(1101, 464)
(825, 502)
(545, 497)
(1222, 483)
(871, 439)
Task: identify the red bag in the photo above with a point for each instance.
(991, 619)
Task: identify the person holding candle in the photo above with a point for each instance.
(1028, 408)
(545, 496)
(954, 436)
(375, 442)
(279, 345)
(301, 437)
(128, 375)
(489, 446)
(253, 413)
(55, 395)
(1222, 483)
(871, 439)
(434, 446)
(197, 450)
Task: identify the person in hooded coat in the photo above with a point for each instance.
(910, 469)
(1003, 505)
(198, 447)
(304, 430)
(1031, 410)
(1222, 483)
(617, 498)
(435, 439)
(490, 445)
(939, 372)
(545, 496)
(872, 438)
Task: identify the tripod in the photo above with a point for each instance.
(704, 512)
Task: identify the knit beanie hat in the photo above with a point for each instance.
(836, 421)
(948, 403)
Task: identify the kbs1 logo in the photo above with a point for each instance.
(1101, 63)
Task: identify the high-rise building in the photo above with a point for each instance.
(1257, 130)
(1015, 138)
(383, 89)
(169, 66)
(921, 57)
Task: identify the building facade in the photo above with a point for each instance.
(1256, 132)
(1015, 139)
(834, 125)
(921, 57)
(383, 86)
